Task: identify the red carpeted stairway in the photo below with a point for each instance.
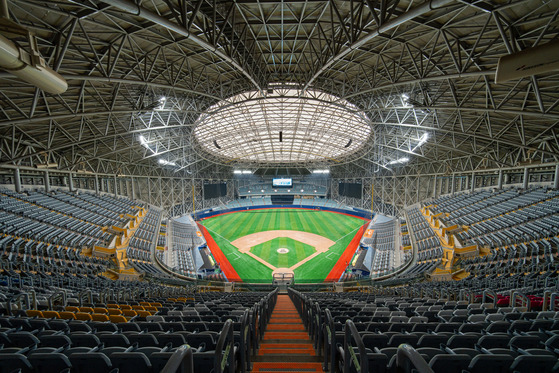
(286, 346)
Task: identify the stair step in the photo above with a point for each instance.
(287, 367)
(287, 358)
(286, 346)
(297, 341)
(288, 335)
(286, 327)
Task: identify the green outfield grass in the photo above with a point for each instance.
(269, 252)
(336, 227)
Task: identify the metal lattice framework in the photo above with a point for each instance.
(284, 126)
(422, 72)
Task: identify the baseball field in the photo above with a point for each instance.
(307, 243)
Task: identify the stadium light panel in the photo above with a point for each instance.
(399, 160)
(165, 162)
(422, 140)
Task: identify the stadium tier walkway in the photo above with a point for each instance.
(286, 346)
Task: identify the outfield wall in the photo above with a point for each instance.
(208, 213)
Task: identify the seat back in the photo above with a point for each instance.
(450, 363)
(131, 362)
(90, 362)
(52, 362)
(482, 363)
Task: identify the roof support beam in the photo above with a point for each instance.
(415, 12)
(137, 10)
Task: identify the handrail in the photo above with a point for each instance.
(255, 327)
(360, 362)
(54, 297)
(489, 294)
(467, 295)
(552, 301)
(524, 300)
(106, 295)
(407, 358)
(18, 298)
(123, 295)
(316, 323)
(224, 354)
(329, 341)
(85, 293)
(181, 358)
(33, 295)
(245, 335)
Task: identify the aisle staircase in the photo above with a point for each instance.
(286, 346)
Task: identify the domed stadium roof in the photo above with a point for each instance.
(151, 84)
(283, 125)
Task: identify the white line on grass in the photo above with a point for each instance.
(347, 234)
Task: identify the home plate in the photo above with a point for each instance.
(283, 250)
(283, 272)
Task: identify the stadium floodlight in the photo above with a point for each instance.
(165, 162)
(422, 140)
(321, 171)
(162, 102)
(405, 100)
(399, 160)
(242, 172)
(143, 141)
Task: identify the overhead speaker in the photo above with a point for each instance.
(280, 136)
(531, 61)
(216, 144)
(348, 143)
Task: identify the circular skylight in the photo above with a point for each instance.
(283, 125)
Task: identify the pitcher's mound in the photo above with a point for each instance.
(283, 250)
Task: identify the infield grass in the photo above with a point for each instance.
(337, 227)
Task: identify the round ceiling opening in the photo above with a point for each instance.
(283, 125)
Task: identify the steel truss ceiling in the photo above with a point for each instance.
(422, 72)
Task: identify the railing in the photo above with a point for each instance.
(489, 295)
(408, 360)
(85, 294)
(107, 295)
(181, 358)
(57, 296)
(466, 295)
(224, 355)
(350, 358)
(245, 342)
(18, 299)
(329, 334)
(523, 299)
(550, 301)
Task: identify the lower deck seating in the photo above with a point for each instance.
(78, 338)
(475, 335)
